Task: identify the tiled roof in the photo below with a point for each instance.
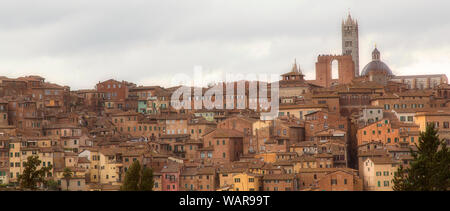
(313, 170)
(83, 160)
(226, 133)
(382, 160)
(279, 177)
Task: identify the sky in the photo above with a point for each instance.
(147, 42)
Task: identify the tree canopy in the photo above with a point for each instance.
(137, 178)
(430, 168)
(31, 175)
(67, 174)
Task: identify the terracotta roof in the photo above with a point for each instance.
(59, 126)
(126, 113)
(83, 160)
(171, 168)
(226, 170)
(226, 133)
(373, 152)
(381, 160)
(324, 95)
(330, 132)
(440, 112)
(168, 136)
(324, 155)
(279, 177)
(304, 158)
(285, 106)
(313, 170)
(283, 163)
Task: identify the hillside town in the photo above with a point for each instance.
(351, 132)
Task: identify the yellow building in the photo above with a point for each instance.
(299, 111)
(440, 118)
(104, 167)
(246, 182)
(377, 173)
(267, 157)
(20, 150)
(304, 162)
(226, 177)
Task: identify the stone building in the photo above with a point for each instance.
(223, 146)
(377, 70)
(293, 83)
(350, 41)
(280, 182)
(422, 81)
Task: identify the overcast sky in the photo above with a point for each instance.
(79, 43)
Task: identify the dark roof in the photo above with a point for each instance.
(376, 66)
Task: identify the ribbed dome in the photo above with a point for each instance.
(376, 66)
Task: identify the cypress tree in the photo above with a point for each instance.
(132, 177)
(430, 168)
(146, 180)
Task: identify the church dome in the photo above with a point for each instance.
(376, 65)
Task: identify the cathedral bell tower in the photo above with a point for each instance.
(350, 43)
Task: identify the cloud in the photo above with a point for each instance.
(79, 43)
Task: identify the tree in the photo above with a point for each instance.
(67, 174)
(146, 180)
(31, 176)
(430, 168)
(132, 177)
(137, 178)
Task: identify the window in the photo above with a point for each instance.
(334, 182)
(237, 180)
(251, 179)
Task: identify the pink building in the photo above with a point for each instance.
(170, 179)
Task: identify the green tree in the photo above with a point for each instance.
(137, 178)
(132, 177)
(31, 175)
(146, 180)
(52, 185)
(430, 168)
(67, 174)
